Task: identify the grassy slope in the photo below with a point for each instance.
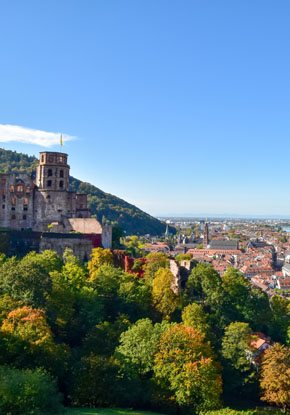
(103, 205)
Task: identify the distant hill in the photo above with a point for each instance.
(106, 207)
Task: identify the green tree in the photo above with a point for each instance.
(139, 344)
(239, 373)
(27, 392)
(194, 316)
(134, 245)
(25, 280)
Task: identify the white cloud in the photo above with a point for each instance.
(15, 133)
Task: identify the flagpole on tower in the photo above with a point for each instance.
(61, 143)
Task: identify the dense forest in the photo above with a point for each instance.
(106, 207)
(93, 335)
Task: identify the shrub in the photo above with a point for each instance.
(28, 392)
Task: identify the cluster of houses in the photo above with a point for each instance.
(262, 255)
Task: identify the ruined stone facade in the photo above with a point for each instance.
(45, 203)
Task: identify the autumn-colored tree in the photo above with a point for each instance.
(153, 263)
(99, 257)
(164, 299)
(31, 340)
(185, 365)
(29, 325)
(275, 376)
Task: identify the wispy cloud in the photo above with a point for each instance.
(15, 133)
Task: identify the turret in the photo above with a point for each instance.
(52, 173)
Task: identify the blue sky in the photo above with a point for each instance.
(176, 106)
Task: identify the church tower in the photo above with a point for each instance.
(52, 173)
(205, 236)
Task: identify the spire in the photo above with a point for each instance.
(167, 232)
(205, 235)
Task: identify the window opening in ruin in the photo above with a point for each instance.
(3, 197)
(60, 159)
(12, 189)
(20, 188)
(48, 197)
(42, 158)
(13, 217)
(3, 206)
(49, 173)
(13, 208)
(61, 173)
(50, 159)
(28, 189)
(24, 217)
(48, 183)
(13, 201)
(61, 184)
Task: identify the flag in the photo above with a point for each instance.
(61, 142)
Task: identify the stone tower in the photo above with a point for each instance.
(205, 236)
(53, 200)
(52, 173)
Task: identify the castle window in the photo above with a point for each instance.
(61, 184)
(48, 197)
(61, 173)
(13, 208)
(48, 183)
(12, 189)
(13, 217)
(20, 188)
(28, 189)
(49, 172)
(3, 206)
(13, 201)
(42, 158)
(24, 217)
(3, 181)
(3, 198)
(50, 159)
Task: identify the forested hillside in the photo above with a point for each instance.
(105, 206)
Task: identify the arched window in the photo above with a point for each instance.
(61, 184)
(48, 183)
(61, 173)
(49, 172)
